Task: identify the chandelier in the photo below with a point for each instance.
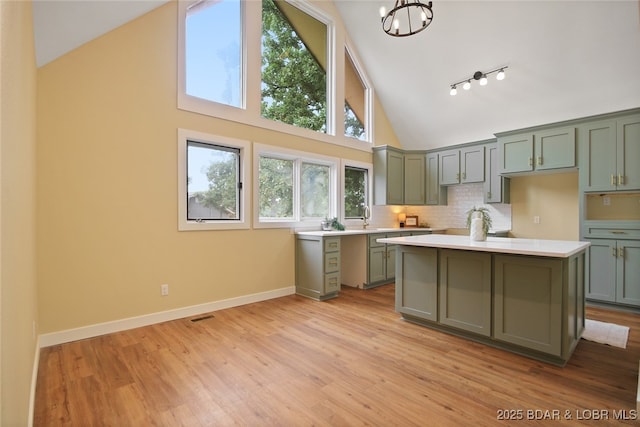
(408, 17)
(480, 77)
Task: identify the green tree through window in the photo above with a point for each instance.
(293, 81)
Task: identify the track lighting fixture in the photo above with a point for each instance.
(480, 77)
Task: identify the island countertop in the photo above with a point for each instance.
(535, 247)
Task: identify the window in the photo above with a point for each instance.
(211, 173)
(271, 64)
(294, 59)
(213, 51)
(356, 191)
(355, 100)
(294, 188)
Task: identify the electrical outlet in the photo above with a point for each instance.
(536, 219)
(164, 290)
(606, 201)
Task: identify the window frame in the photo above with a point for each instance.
(244, 147)
(298, 157)
(250, 114)
(354, 222)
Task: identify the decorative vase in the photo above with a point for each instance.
(476, 231)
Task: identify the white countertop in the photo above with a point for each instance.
(373, 230)
(536, 247)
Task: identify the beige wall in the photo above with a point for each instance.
(107, 187)
(554, 198)
(17, 210)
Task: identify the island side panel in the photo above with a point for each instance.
(465, 290)
(417, 282)
(528, 302)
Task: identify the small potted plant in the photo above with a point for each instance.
(478, 223)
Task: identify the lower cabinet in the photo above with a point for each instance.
(318, 267)
(530, 305)
(417, 286)
(381, 260)
(528, 302)
(613, 271)
(465, 290)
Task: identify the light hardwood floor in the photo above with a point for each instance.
(350, 361)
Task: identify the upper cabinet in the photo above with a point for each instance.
(544, 150)
(399, 177)
(461, 166)
(436, 195)
(496, 187)
(610, 154)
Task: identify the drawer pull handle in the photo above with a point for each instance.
(613, 252)
(613, 179)
(333, 262)
(464, 175)
(621, 251)
(618, 232)
(530, 161)
(620, 179)
(539, 160)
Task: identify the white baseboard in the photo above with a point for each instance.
(54, 338)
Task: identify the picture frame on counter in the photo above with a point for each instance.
(411, 221)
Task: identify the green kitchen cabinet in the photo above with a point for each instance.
(318, 266)
(609, 153)
(537, 151)
(435, 194)
(461, 166)
(496, 186)
(388, 176)
(528, 302)
(613, 271)
(381, 260)
(417, 285)
(465, 290)
(415, 178)
(399, 176)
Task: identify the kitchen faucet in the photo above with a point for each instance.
(365, 217)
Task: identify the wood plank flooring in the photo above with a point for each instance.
(350, 361)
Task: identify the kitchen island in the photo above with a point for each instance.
(522, 295)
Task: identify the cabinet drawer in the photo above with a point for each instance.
(373, 238)
(331, 244)
(600, 232)
(332, 262)
(331, 282)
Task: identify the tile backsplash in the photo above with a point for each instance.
(461, 198)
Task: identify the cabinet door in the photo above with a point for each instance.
(377, 264)
(597, 156)
(601, 270)
(472, 164)
(555, 149)
(496, 188)
(391, 262)
(414, 179)
(628, 154)
(528, 302)
(435, 194)
(417, 287)
(515, 153)
(450, 167)
(395, 178)
(628, 272)
(465, 290)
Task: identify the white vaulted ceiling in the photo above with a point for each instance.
(567, 59)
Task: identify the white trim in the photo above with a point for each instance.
(34, 382)
(69, 335)
(244, 222)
